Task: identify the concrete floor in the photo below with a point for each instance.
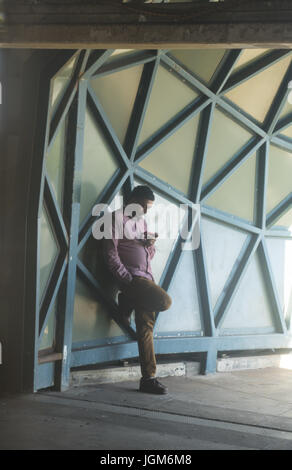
(235, 410)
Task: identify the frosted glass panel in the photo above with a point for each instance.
(48, 251)
(255, 95)
(55, 162)
(119, 52)
(166, 219)
(117, 202)
(184, 313)
(61, 80)
(172, 160)
(280, 254)
(236, 195)
(169, 95)
(226, 138)
(202, 63)
(116, 93)
(287, 132)
(250, 307)
(279, 176)
(91, 320)
(222, 247)
(248, 56)
(98, 165)
(287, 108)
(49, 332)
(285, 220)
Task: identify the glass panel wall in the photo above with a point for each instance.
(279, 176)
(184, 312)
(48, 251)
(172, 161)
(244, 315)
(48, 339)
(91, 319)
(227, 137)
(166, 218)
(116, 93)
(60, 82)
(99, 165)
(169, 95)
(256, 94)
(280, 254)
(236, 194)
(222, 246)
(249, 56)
(202, 63)
(55, 161)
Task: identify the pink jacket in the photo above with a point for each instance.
(125, 253)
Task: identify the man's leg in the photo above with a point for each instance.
(146, 295)
(125, 307)
(147, 298)
(144, 328)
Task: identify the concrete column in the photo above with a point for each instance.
(20, 75)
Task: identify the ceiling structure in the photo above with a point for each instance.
(114, 23)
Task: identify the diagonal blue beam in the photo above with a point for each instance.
(240, 116)
(272, 291)
(67, 98)
(282, 142)
(231, 166)
(278, 102)
(119, 63)
(185, 76)
(279, 210)
(56, 216)
(140, 106)
(109, 303)
(200, 153)
(168, 129)
(51, 293)
(232, 221)
(203, 289)
(286, 121)
(257, 66)
(163, 187)
(106, 127)
(224, 70)
(233, 281)
(279, 233)
(106, 196)
(95, 61)
(261, 186)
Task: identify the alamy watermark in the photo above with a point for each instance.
(164, 222)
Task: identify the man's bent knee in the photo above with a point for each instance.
(166, 302)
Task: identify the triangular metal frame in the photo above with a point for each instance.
(72, 237)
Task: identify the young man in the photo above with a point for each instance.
(128, 255)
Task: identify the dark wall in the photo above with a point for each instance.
(18, 206)
(14, 173)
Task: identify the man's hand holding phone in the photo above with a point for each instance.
(150, 238)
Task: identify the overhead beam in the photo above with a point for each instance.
(150, 36)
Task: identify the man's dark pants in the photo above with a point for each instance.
(146, 298)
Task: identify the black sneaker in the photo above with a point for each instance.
(152, 385)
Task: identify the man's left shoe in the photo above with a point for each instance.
(152, 385)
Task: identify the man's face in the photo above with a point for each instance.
(147, 204)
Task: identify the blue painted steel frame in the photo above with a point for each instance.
(95, 63)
